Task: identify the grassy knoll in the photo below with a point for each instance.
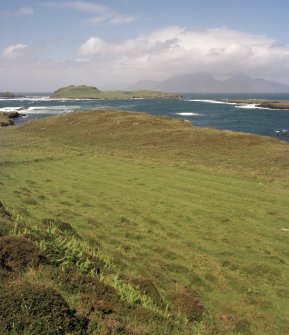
(199, 214)
(90, 92)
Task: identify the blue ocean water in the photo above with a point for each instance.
(202, 110)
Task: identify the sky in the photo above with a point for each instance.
(47, 44)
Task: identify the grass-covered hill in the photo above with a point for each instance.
(116, 222)
(90, 92)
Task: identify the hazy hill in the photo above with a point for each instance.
(206, 83)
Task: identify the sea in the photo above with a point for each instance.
(203, 110)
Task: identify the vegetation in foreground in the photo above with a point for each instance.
(90, 92)
(134, 224)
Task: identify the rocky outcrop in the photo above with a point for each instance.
(275, 104)
(272, 104)
(12, 115)
(7, 95)
(5, 120)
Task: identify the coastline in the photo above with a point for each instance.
(201, 110)
(262, 103)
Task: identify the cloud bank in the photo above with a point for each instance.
(176, 50)
(157, 55)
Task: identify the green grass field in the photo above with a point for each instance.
(187, 208)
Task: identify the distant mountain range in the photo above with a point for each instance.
(206, 83)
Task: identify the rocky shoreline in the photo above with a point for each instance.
(6, 118)
(272, 104)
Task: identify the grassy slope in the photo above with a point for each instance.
(88, 92)
(180, 205)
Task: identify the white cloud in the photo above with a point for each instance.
(100, 13)
(15, 51)
(176, 50)
(23, 11)
(157, 55)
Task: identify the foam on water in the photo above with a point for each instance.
(10, 109)
(251, 106)
(32, 98)
(209, 101)
(48, 109)
(188, 114)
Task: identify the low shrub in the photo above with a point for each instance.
(189, 304)
(36, 309)
(5, 227)
(61, 225)
(19, 253)
(147, 287)
(4, 214)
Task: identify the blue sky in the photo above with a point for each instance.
(122, 41)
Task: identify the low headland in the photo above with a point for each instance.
(116, 222)
(263, 103)
(91, 92)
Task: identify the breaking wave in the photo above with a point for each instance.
(10, 109)
(189, 114)
(252, 106)
(209, 101)
(48, 109)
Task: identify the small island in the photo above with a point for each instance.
(91, 92)
(263, 103)
(7, 95)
